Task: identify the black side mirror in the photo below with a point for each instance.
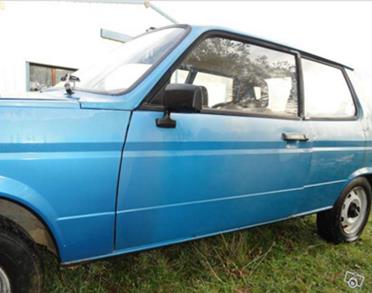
(184, 98)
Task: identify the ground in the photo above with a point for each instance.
(283, 257)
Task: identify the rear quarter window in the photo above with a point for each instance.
(326, 91)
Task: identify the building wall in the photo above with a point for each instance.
(61, 34)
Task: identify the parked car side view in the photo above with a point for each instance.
(182, 133)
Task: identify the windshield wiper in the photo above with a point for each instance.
(70, 78)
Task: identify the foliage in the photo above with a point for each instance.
(235, 59)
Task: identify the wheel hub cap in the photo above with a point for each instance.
(4, 282)
(354, 210)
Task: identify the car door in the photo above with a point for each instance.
(338, 136)
(242, 161)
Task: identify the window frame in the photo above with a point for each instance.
(236, 37)
(349, 86)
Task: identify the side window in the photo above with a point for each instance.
(237, 76)
(327, 94)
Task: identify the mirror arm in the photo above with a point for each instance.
(166, 121)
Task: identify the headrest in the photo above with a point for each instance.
(204, 95)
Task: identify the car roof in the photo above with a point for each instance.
(205, 29)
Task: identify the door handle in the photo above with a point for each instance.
(294, 137)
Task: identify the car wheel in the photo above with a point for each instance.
(346, 220)
(20, 269)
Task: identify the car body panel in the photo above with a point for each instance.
(338, 150)
(63, 164)
(208, 174)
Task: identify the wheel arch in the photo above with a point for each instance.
(363, 172)
(26, 208)
(30, 223)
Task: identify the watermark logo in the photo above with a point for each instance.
(354, 280)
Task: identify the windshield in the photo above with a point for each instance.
(119, 70)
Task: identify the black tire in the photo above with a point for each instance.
(19, 260)
(330, 222)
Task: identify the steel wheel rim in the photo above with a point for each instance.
(354, 210)
(4, 282)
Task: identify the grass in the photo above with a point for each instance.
(282, 257)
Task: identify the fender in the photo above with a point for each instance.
(362, 172)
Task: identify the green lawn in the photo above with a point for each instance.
(282, 257)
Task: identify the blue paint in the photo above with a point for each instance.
(72, 161)
(63, 164)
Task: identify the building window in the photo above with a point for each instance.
(44, 76)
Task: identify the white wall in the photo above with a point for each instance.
(62, 34)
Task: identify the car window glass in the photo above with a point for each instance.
(179, 76)
(237, 76)
(219, 88)
(127, 64)
(327, 94)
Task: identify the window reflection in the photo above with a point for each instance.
(242, 77)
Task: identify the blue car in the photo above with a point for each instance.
(181, 133)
